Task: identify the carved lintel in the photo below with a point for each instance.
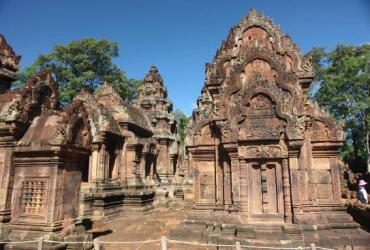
(230, 147)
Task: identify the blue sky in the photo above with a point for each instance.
(177, 36)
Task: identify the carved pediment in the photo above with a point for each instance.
(257, 85)
(261, 129)
(260, 102)
(319, 131)
(101, 119)
(205, 136)
(9, 61)
(38, 96)
(262, 67)
(72, 127)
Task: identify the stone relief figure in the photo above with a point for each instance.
(245, 133)
(236, 49)
(260, 101)
(286, 106)
(301, 124)
(271, 42)
(224, 129)
(338, 131)
(243, 77)
(307, 62)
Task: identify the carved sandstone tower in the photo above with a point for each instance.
(264, 158)
(153, 101)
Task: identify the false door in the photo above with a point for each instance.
(265, 191)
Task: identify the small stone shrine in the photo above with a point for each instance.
(63, 168)
(153, 101)
(264, 157)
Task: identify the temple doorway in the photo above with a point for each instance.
(265, 191)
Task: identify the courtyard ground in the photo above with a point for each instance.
(136, 228)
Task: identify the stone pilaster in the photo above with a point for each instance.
(163, 161)
(286, 186)
(6, 183)
(96, 170)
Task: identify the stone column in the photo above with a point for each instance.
(130, 163)
(295, 175)
(286, 186)
(94, 171)
(234, 217)
(153, 172)
(6, 183)
(190, 165)
(219, 178)
(235, 180)
(163, 161)
(104, 162)
(142, 166)
(196, 183)
(232, 183)
(243, 187)
(307, 169)
(227, 184)
(117, 164)
(335, 171)
(172, 165)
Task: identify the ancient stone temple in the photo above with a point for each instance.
(64, 168)
(264, 157)
(121, 147)
(153, 101)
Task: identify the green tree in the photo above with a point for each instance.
(343, 75)
(181, 120)
(86, 63)
(23, 75)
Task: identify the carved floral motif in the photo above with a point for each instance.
(264, 151)
(260, 131)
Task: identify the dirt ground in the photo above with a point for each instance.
(136, 228)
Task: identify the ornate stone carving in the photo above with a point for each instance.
(264, 151)
(225, 130)
(260, 132)
(227, 183)
(235, 181)
(154, 103)
(39, 96)
(260, 101)
(293, 163)
(206, 136)
(9, 65)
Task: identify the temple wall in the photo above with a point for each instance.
(35, 192)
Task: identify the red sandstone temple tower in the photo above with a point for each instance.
(153, 101)
(264, 157)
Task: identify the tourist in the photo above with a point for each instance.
(362, 194)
